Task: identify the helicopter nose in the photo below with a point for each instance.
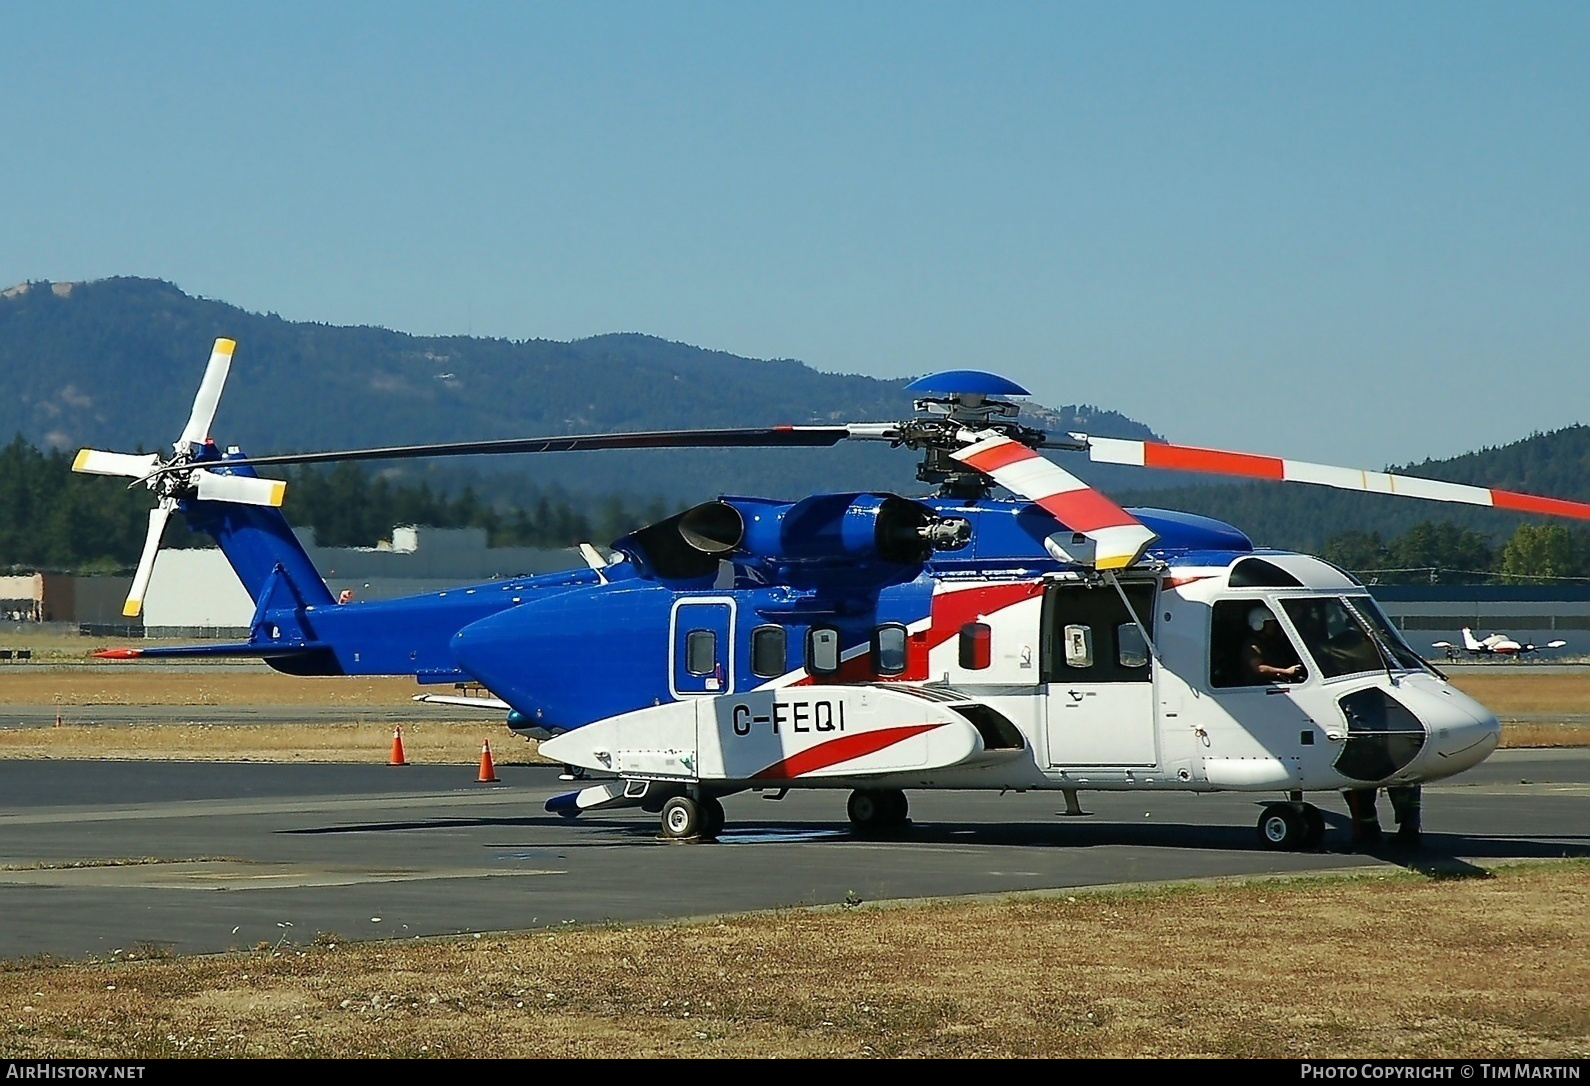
(1462, 732)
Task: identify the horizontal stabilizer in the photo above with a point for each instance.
(494, 704)
(241, 650)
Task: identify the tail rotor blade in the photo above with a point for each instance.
(146, 562)
(94, 462)
(1155, 454)
(240, 489)
(1119, 539)
(209, 395)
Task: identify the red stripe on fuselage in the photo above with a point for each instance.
(843, 749)
(952, 610)
(1212, 461)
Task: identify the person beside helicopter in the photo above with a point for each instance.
(1406, 803)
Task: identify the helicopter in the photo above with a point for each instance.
(876, 643)
(1496, 644)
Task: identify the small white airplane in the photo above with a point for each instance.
(1497, 644)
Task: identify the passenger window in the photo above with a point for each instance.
(1242, 635)
(977, 641)
(1078, 643)
(822, 650)
(888, 649)
(701, 652)
(1130, 648)
(767, 652)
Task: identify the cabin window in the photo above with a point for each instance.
(1257, 573)
(1334, 637)
(701, 652)
(822, 650)
(768, 652)
(888, 649)
(1240, 632)
(977, 644)
(1390, 637)
(1087, 634)
(1131, 650)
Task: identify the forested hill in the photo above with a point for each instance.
(114, 364)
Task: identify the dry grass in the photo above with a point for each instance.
(1521, 692)
(424, 742)
(1532, 735)
(1387, 966)
(444, 741)
(153, 684)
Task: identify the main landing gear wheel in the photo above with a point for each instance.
(1282, 827)
(681, 818)
(875, 809)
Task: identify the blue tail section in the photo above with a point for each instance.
(299, 628)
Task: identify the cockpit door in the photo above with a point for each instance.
(1098, 676)
(701, 647)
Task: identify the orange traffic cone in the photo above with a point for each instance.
(488, 772)
(397, 749)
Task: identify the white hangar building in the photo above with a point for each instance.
(194, 593)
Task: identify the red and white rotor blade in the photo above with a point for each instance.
(1119, 539)
(240, 489)
(1155, 454)
(94, 462)
(146, 562)
(209, 395)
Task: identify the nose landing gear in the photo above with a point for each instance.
(1293, 826)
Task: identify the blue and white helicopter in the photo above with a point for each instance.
(878, 643)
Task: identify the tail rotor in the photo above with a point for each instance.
(182, 476)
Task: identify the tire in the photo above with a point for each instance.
(681, 818)
(867, 809)
(712, 817)
(1281, 827)
(897, 808)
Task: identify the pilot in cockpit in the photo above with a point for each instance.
(1267, 656)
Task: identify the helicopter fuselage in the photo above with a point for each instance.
(1039, 672)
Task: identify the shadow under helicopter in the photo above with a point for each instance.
(1439, 855)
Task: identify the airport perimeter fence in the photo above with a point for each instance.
(186, 633)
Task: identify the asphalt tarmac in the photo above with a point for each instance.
(99, 857)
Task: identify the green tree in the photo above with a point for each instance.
(1538, 552)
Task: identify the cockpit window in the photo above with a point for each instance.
(1247, 647)
(1389, 635)
(1333, 636)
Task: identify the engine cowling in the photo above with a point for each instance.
(823, 528)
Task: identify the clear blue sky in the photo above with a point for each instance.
(1357, 233)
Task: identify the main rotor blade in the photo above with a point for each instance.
(209, 395)
(94, 462)
(239, 488)
(1155, 454)
(146, 561)
(1119, 539)
(779, 436)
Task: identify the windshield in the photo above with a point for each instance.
(1389, 635)
(1334, 636)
